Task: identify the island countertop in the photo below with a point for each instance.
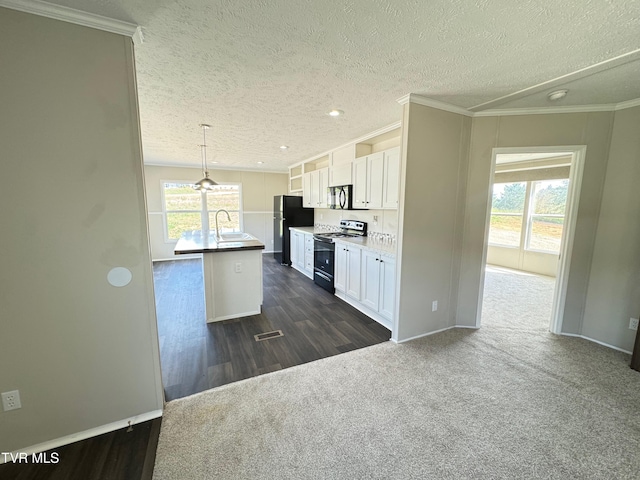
(195, 242)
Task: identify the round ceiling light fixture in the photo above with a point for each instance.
(284, 147)
(335, 113)
(557, 95)
(260, 163)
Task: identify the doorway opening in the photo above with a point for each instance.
(529, 230)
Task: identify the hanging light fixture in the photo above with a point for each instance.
(206, 183)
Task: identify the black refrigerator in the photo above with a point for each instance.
(287, 212)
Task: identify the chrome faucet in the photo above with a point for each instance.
(217, 228)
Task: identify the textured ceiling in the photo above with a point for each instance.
(265, 72)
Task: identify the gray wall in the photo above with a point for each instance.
(613, 295)
(82, 353)
(591, 129)
(258, 190)
(441, 241)
(434, 165)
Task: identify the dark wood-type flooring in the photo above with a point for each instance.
(118, 455)
(197, 356)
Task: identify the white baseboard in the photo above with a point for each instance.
(422, 335)
(191, 256)
(472, 327)
(596, 341)
(92, 432)
(235, 315)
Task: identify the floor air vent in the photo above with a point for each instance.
(268, 335)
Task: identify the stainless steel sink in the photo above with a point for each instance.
(234, 237)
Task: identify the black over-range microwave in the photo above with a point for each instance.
(341, 198)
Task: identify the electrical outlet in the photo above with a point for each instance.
(238, 267)
(434, 305)
(633, 324)
(11, 400)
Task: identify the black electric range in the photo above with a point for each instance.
(324, 251)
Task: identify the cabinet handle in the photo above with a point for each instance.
(380, 261)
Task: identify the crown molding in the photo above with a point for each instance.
(561, 81)
(609, 107)
(77, 17)
(428, 102)
(545, 110)
(628, 104)
(213, 168)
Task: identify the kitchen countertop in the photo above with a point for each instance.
(305, 229)
(367, 243)
(195, 242)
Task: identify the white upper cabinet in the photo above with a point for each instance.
(375, 176)
(314, 188)
(391, 184)
(360, 182)
(323, 188)
(368, 173)
(341, 162)
(307, 200)
(340, 175)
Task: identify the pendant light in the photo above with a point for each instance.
(206, 183)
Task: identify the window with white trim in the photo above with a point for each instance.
(529, 213)
(186, 209)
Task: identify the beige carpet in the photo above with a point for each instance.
(500, 402)
(515, 299)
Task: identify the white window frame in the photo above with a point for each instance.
(204, 212)
(240, 208)
(527, 220)
(523, 215)
(532, 215)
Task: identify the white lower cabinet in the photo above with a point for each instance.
(308, 254)
(295, 238)
(378, 283)
(370, 279)
(347, 270)
(366, 279)
(387, 301)
(301, 248)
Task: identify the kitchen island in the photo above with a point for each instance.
(232, 271)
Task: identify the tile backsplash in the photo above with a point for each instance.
(378, 221)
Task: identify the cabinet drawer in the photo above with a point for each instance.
(308, 261)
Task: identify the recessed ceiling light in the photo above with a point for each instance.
(557, 95)
(284, 147)
(214, 162)
(260, 163)
(335, 113)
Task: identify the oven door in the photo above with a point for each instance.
(323, 261)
